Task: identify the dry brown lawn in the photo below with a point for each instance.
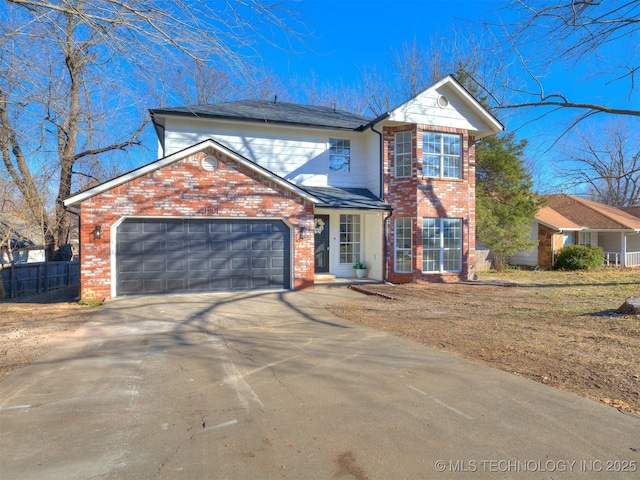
(558, 328)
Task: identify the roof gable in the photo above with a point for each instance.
(262, 111)
(79, 197)
(449, 104)
(566, 212)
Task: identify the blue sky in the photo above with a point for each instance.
(346, 35)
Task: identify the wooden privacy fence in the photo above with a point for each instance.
(30, 278)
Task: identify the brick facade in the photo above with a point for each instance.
(184, 189)
(550, 242)
(421, 197)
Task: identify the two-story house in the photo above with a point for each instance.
(265, 194)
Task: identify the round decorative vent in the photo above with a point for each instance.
(209, 163)
(443, 101)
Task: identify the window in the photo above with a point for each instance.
(349, 238)
(568, 238)
(339, 155)
(441, 244)
(403, 245)
(441, 155)
(403, 154)
(584, 238)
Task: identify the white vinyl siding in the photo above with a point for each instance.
(403, 245)
(403, 153)
(441, 245)
(299, 155)
(441, 155)
(349, 238)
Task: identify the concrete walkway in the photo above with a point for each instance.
(269, 385)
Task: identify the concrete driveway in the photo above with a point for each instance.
(269, 385)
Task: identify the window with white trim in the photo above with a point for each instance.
(403, 151)
(403, 245)
(441, 245)
(568, 238)
(349, 238)
(441, 155)
(584, 238)
(339, 155)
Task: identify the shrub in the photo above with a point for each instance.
(580, 257)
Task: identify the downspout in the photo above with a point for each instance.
(381, 144)
(385, 248)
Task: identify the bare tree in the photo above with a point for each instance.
(606, 162)
(75, 74)
(412, 69)
(570, 32)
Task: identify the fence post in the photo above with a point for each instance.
(14, 286)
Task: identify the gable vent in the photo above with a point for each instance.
(443, 101)
(209, 164)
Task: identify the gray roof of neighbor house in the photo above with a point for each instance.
(272, 112)
(346, 198)
(566, 212)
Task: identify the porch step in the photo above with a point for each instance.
(324, 277)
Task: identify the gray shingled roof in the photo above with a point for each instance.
(270, 112)
(346, 198)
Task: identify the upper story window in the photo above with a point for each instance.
(339, 155)
(441, 155)
(403, 154)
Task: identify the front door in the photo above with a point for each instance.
(321, 236)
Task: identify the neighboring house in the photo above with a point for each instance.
(19, 243)
(258, 194)
(569, 220)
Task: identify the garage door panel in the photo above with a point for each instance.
(197, 265)
(238, 263)
(175, 245)
(152, 226)
(153, 266)
(239, 245)
(197, 245)
(176, 284)
(153, 285)
(277, 262)
(155, 245)
(218, 263)
(197, 227)
(259, 262)
(176, 227)
(259, 244)
(128, 266)
(176, 266)
(218, 245)
(239, 226)
(129, 247)
(198, 284)
(173, 255)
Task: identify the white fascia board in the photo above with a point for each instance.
(163, 162)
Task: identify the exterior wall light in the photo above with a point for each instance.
(97, 232)
(303, 233)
